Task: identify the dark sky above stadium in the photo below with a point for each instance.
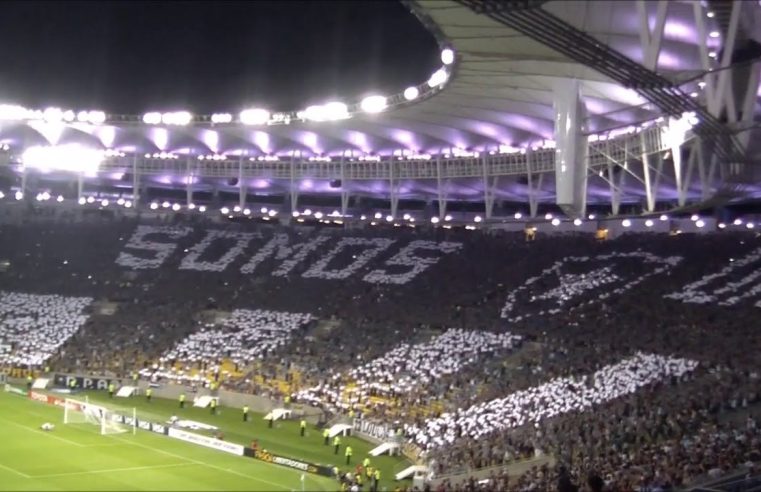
(136, 56)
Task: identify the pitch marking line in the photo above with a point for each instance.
(201, 463)
(12, 470)
(112, 470)
(48, 434)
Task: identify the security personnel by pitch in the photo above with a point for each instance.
(336, 444)
(303, 427)
(348, 454)
(213, 405)
(111, 389)
(148, 394)
(245, 413)
(326, 435)
(182, 400)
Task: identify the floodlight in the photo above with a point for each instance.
(518, 215)
(664, 217)
(52, 115)
(477, 218)
(246, 211)
(447, 56)
(272, 213)
(319, 215)
(548, 216)
(104, 202)
(19, 195)
(221, 118)
(153, 118)
(389, 218)
(263, 210)
(254, 116)
(722, 225)
(236, 208)
(295, 213)
(714, 34)
(176, 207)
(738, 222)
(82, 200)
(694, 217)
(127, 204)
(749, 225)
(202, 208)
(154, 206)
(626, 222)
(378, 215)
(434, 220)
(120, 201)
(179, 118)
(555, 222)
(2, 195)
(224, 210)
(411, 93)
(166, 205)
(90, 199)
(648, 223)
(307, 212)
(59, 199)
(577, 222)
(438, 78)
(11, 112)
(68, 116)
(96, 117)
(373, 104)
(699, 223)
(69, 157)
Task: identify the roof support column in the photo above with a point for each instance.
(136, 195)
(651, 182)
(616, 174)
(570, 149)
(294, 189)
(189, 181)
(490, 188)
(344, 188)
(393, 188)
(440, 190)
(80, 186)
(241, 184)
(534, 183)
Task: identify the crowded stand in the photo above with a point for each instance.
(632, 360)
(410, 367)
(245, 336)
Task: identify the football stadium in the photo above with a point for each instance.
(536, 268)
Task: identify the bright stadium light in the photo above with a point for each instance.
(447, 218)
(700, 223)
(127, 204)
(518, 215)
(224, 210)
(246, 211)
(90, 199)
(272, 213)
(236, 208)
(434, 220)
(319, 215)
(477, 218)
(737, 222)
(104, 202)
(411, 93)
(664, 218)
(179, 118)
(648, 223)
(626, 222)
(438, 78)
(176, 207)
(378, 215)
(263, 210)
(69, 157)
(694, 217)
(59, 199)
(82, 200)
(254, 116)
(96, 117)
(373, 104)
(154, 205)
(296, 213)
(389, 218)
(18, 195)
(68, 116)
(447, 56)
(13, 112)
(52, 115)
(221, 118)
(153, 118)
(555, 222)
(577, 222)
(120, 201)
(191, 206)
(202, 208)
(548, 216)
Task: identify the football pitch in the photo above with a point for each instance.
(78, 457)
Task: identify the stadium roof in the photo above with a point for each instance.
(499, 95)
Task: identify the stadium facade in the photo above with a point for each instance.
(627, 107)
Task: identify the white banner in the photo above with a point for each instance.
(209, 442)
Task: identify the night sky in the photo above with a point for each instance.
(134, 56)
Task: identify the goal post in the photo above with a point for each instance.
(109, 421)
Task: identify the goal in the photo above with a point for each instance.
(109, 421)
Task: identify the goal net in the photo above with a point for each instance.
(109, 422)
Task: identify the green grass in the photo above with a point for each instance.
(77, 457)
